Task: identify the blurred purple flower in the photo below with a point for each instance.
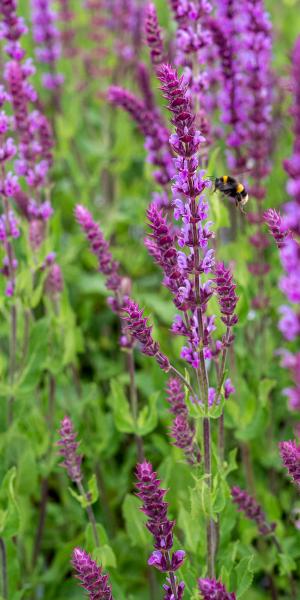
(252, 510)
(290, 455)
(68, 449)
(211, 589)
(91, 576)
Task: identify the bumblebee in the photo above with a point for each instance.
(233, 189)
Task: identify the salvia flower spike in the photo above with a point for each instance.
(182, 430)
(155, 508)
(251, 509)
(91, 576)
(290, 455)
(211, 589)
(68, 449)
(139, 329)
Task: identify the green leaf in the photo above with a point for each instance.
(135, 521)
(93, 492)
(191, 528)
(244, 575)
(78, 497)
(105, 556)
(10, 520)
(264, 389)
(122, 414)
(286, 564)
(89, 536)
(147, 419)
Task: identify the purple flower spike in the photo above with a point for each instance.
(138, 326)
(161, 246)
(252, 510)
(210, 589)
(182, 429)
(276, 226)
(290, 455)
(54, 283)
(68, 449)
(91, 576)
(99, 246)
(169, 593)
(153, 35)
(47, 38)
(154, 506)
(227, 297)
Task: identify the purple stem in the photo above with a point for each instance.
(134, 404)
(3, 569)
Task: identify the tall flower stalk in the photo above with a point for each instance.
(68, 450)
(120, 288)
(155, 508)
(90, 575)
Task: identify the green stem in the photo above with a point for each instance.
(90, 513)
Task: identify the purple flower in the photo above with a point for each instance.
(13, 27)
(91, 576)
(211, 589)
(289, 324)
(68, 449)
(169, 592)
(176, 397)
(99, 246)
(228, 388)
(292, 165)
(276, 226)
(290, 455)
(54, 282)
(155, 508)
(154, 35)
(37, 231)
(182, 429)
(140, 330)
(161, 245)
(47, 39)
(252, 510)
(225, 289)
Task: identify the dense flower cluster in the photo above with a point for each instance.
(182, 429)
(251, 509)
(292, 165)
(154, 35)
(227, 297)
(155, 508)
(210, 589)
(47, 39)
(32, 129)
(290, 455)
(99, 246)
(289, 324)
(68, 449)
(139, 329)
(91, 577)
(226, 30)
(277, 227)
(193, 44)
(66, 17)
